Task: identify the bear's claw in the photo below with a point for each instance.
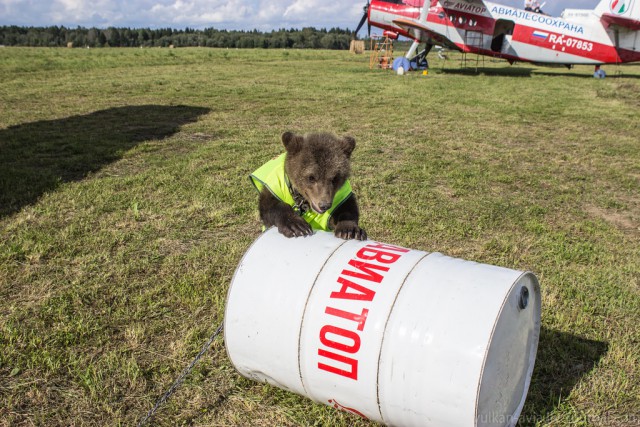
(350, 231)
(295, 228)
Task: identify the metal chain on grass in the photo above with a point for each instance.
(181, 378)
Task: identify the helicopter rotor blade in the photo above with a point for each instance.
(364, 18)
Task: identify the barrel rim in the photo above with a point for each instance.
(233, 279)
(532, 355)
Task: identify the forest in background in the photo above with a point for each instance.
(60, 36)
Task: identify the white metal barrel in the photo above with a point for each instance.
(400, 336)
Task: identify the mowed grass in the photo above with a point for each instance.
(125, 208)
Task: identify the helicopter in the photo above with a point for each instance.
(608, 34)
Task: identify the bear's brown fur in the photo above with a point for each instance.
(317, 165)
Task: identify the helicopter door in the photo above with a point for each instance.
(502, 29)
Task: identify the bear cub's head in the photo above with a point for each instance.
(318, 164)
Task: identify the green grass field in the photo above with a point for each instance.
(125, 208)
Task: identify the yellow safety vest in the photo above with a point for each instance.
(272, 176)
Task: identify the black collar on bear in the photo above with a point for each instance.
(300, 204)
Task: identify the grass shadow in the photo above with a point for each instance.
(612, 75)
(562, 360)
(526, 72)
(506, 71)
(37, 157)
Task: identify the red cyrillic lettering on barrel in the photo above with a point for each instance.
(381, 256)
(367, 268)
(350, 362)
(349, 335)
(363, 293)
(360, 319)
(344, 340)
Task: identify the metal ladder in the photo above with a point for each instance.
(473, 39)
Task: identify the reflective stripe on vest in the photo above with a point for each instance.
(271, 175)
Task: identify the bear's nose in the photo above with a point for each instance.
(324, 206)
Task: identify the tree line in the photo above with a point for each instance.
(54, 36)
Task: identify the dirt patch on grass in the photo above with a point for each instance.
(630, 92)
(627, 92)
(621, 220)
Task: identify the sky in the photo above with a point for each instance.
(263, 15)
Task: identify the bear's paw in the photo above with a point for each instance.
(348, 230)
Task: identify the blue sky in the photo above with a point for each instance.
(263, 15)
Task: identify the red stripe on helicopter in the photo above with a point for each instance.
(396, 9)
(563, 43)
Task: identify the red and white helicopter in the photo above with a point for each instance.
(608, 34)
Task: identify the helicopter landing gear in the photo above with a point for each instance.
(599, 73)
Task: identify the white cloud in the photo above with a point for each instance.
(204, 13)
(62, 11)
(223, 14)
(331, 13)
(300, 7)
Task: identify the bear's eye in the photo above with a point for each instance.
(311, 179)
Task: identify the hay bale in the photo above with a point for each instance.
(357, 46)
(70, 45)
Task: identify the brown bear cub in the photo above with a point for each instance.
(307, 187)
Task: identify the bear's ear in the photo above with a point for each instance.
(348, 145)
(292, 142)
